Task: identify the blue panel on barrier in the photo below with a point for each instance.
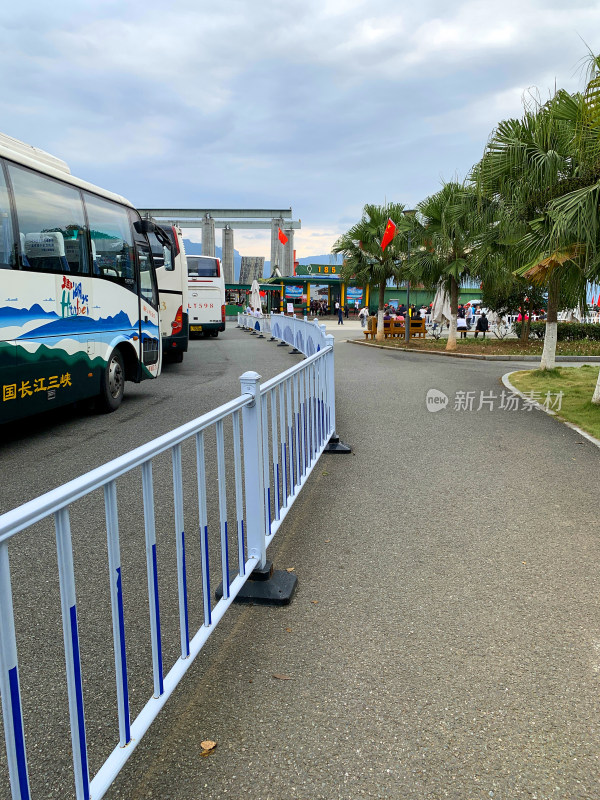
(15, 702)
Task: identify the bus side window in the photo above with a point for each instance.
(52, 232)
(161, 255)
(147, 264)
(112, 243)
(7, 242)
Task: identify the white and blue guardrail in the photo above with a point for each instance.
(281, 427)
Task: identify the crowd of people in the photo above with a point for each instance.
(468, 314)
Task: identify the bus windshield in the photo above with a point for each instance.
(203, 266)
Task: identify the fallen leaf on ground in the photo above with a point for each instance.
(207, 747)
(290, 569)
(281, 677)
(314, 602)
(289, 630)
(327, 541)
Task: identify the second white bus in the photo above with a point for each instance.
(206, 296)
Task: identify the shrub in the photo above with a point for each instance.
(565, 331)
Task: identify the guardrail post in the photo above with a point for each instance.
(9, 686)
(265, 585)
(334, 445)
(253, 471)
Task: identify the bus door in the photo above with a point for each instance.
(149, 324)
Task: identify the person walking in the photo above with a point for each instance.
(340, 313)
(362, 315)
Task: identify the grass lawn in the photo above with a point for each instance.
(577, 385)
(496, 347)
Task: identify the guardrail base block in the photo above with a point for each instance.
(265, 587)
(335, 446)
(282, 344)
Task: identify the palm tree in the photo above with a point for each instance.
(364, 260)
(528, 164)
(575, 214)
(451, 220)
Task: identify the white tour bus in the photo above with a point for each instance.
(79, 310)
(171, 274)
(206, 299)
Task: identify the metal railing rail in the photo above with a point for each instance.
(282, 427)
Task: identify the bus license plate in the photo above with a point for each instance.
(195, 328)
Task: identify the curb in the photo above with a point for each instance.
(475, 356)
(506, 381)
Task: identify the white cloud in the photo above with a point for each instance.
(321, 105)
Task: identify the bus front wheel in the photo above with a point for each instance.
(112, 385)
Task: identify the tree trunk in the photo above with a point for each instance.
(451, 345)
(379, 336)
(549, 352)
(596, 395)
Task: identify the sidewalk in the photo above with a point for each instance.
(444, 641)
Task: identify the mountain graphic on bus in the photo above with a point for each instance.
(20, 316)
(80, 324)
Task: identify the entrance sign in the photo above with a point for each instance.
(322, 270)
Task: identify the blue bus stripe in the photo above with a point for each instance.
(79, 701)
(123, 655)
(15, 702)
(157, 619)
(185, 597)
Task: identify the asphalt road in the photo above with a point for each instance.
(444, 641)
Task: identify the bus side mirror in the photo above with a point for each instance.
(144, 226)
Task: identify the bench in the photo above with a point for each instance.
(470, 330)
(395, 330)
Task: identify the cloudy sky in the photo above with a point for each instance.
(321, 105)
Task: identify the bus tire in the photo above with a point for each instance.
(174, 356)
(214, 333)
(112, 384)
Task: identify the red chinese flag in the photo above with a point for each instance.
(388, 234)
(282, 237)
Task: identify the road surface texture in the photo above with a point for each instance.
(444, 641)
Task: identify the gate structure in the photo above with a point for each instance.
(278, 430)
